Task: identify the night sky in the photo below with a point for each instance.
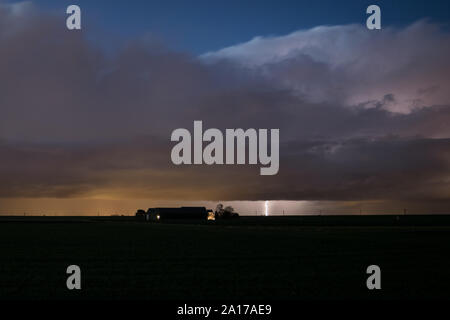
(86, 116)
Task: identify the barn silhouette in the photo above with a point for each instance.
(157, 214)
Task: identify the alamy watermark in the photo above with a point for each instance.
(74, 279)
(235, 140)
(373, 22)
(73, 22)
(374, 280)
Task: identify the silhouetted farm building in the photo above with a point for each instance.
(191, 213)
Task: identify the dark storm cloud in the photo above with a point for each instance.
(351, 65)
(76, 122)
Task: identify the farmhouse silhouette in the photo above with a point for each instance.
(186, 213)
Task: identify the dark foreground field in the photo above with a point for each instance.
(253, 258)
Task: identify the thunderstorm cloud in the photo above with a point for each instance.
(362, 115)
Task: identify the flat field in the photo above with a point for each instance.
(249, 258)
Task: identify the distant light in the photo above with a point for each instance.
(211, 215)
(266, 204)
(158, 217)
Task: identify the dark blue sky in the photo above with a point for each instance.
(203, 25)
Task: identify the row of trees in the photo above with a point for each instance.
(225, 212)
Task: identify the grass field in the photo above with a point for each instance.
(250, 258)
